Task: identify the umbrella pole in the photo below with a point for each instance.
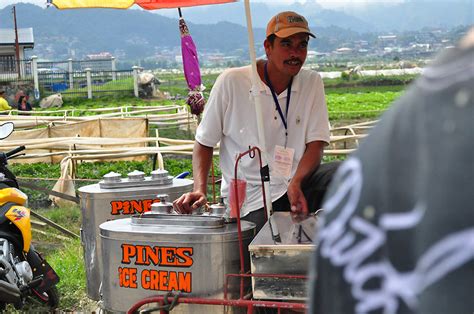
(258, 111)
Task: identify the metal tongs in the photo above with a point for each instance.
(300, 233)
(302, 229)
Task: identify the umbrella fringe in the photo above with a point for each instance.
(196, 102)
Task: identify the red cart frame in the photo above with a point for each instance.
(169, 301)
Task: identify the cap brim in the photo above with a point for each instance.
(287, 32)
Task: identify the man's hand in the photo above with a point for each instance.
(189, 202)
(308, 163)
(299, 206)
(202, 158)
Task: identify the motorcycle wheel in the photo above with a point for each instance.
(50, 297)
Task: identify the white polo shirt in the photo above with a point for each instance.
(229, 118)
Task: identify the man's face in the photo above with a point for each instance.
(287, 55)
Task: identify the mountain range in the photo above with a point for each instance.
(137, 34)
(408, 15)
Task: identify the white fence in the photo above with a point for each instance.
(85, 78)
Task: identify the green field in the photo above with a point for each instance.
(360, 105)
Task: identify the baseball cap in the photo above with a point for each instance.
(288, 23)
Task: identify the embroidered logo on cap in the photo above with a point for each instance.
(294, 19)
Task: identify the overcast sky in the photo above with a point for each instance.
(326, 3)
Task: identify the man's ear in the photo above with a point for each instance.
(267, 45)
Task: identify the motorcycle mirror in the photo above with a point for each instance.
(6, 129)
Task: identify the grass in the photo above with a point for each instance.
(97, 170)
(370, 81)
(82, 107)
(125, 84)
(176, 84)
(360, 105)
(66, 258)
(363, 89)
(69, 265)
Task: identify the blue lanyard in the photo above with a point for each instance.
(275, 99)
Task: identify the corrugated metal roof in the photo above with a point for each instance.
(25, 36)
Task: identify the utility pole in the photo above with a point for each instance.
(17, 45)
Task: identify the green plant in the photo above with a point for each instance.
(66, 216)
(363, 89)
(372, 81)
(362, 105)
(69, 265)
(345, 76)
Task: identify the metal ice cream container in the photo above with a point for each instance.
(118, 197)
(154, 254)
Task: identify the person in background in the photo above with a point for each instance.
(4, 106)
(295, 125)
(398, 229)
(23, 104)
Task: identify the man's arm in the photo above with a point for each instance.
(202, 158)
(308, 163)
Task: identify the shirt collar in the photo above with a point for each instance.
(294, 87)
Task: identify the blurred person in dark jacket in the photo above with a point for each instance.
(23, 104)
(398, 230)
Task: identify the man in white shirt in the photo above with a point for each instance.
(295, 126)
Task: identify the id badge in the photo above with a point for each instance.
(283, 160)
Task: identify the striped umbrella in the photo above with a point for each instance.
(125, 4)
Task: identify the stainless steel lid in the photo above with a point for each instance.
(170, 220)
(96, 191)
(136, 175)
(163, 228)
(218, 209)
(163, 206)
(135, 178)
(159, 174)
(112, 177)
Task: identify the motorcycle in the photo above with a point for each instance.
(24, 272)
